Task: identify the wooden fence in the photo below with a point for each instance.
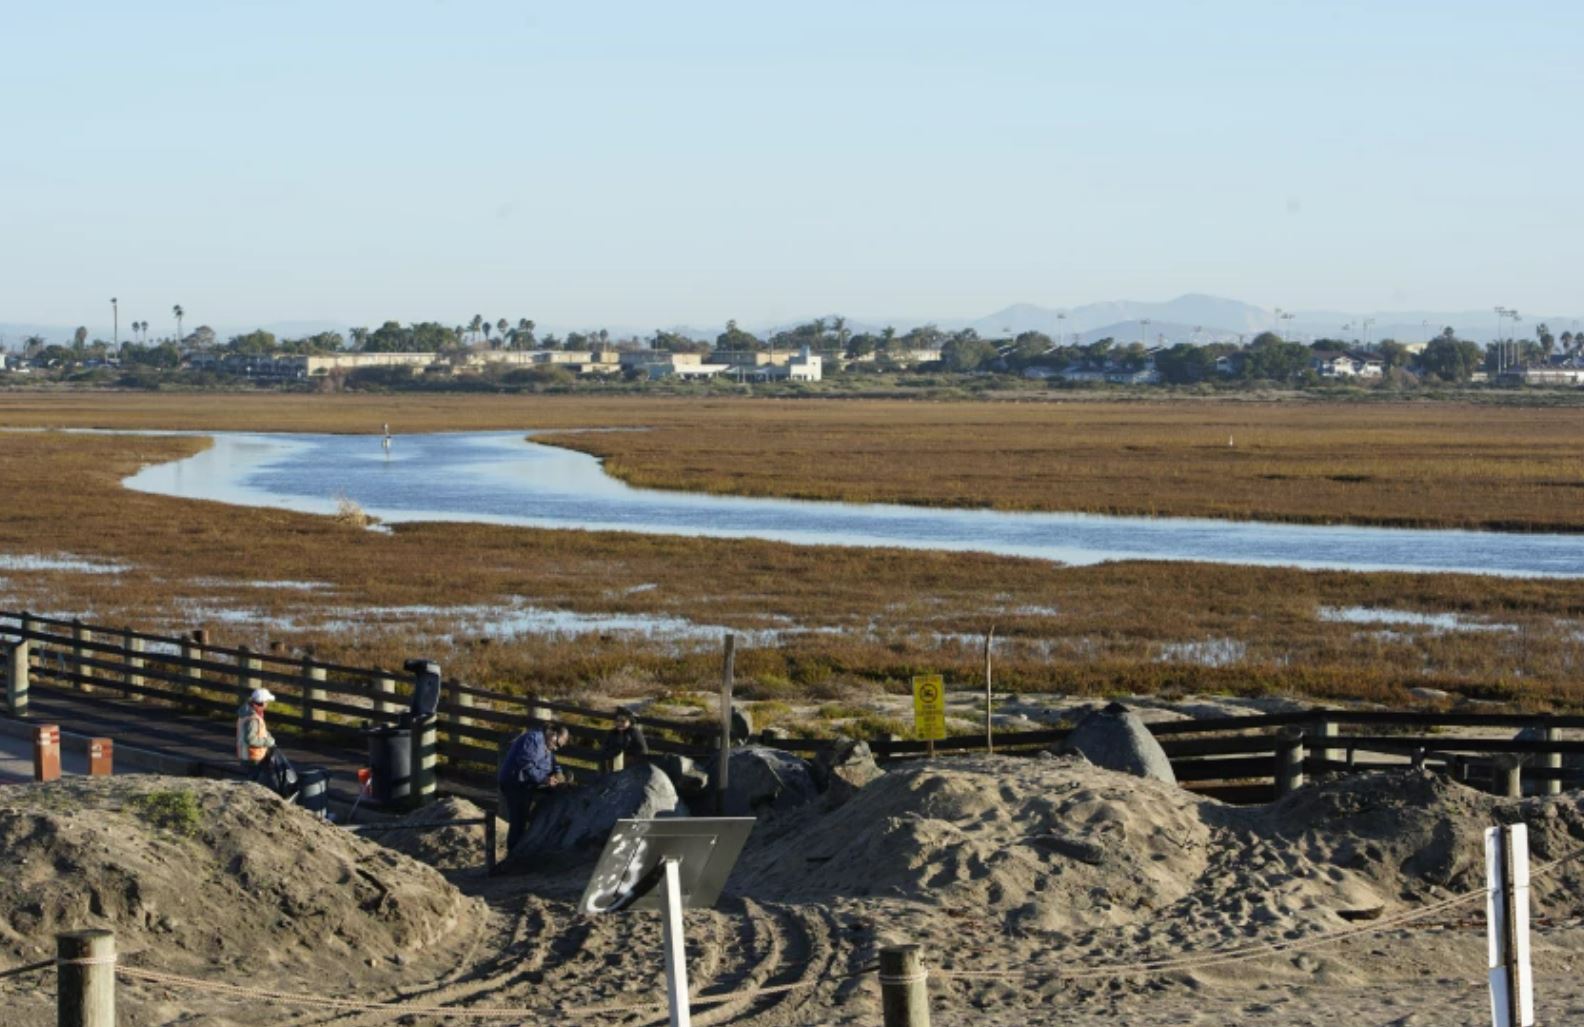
(315, 699)
(1244, 758)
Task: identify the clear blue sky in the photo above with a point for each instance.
(661, 163)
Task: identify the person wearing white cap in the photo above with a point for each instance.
(253, 740)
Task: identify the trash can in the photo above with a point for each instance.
(313, 790)
(390, 763)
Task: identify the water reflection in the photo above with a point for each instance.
(503, 478)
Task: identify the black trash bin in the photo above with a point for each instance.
(313, 789)
(390, 765)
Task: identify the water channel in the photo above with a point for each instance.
(506, 478)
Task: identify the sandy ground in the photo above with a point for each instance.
(1025, 869)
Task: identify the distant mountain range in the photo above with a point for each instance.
(1190, 318)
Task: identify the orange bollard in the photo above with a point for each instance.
(46, 753)
(101, 757)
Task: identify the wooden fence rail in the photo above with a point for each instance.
(1248, 757)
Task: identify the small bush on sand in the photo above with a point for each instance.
(171, 810)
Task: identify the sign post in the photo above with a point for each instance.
(1507, 925)
(929, 709)
(668, 865)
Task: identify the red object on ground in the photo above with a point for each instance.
(46, 753)
(101, 753)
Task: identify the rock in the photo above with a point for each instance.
(1081, 849)
(1115, 739)
(1429, 694)
(687, 777)
(573, 824)
(772, 734)
(742, 724)
(844, 769)
(764, 780)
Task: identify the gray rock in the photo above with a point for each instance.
(770, 735)
(572, 824)
(1081, 849)
(687, 777)
(843, 769)
(764, 780)
(742, 724)
(1116, 739)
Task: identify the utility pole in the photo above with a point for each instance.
(115, 319)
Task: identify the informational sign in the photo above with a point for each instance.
(929, 706)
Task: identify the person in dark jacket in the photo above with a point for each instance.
(528, 770)
(624, 739)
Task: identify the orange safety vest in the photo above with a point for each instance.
(250, 753)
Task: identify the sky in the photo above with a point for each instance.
(683, 163)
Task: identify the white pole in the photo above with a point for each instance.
(1507, 925)
(676, 947)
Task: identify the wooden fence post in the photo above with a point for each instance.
(723, 772)
(1289, 761)
(461, 698)
(192, 652)
(313, 693)
(1326, 728)
(85, 979)
(134, 665)
(247, 668)
(1550, 760)
(425, 758)
(1507, 777)
(385, 687)
(17, 678)
(80, 673)
(904, 987)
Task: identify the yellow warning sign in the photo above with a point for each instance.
(929, 706)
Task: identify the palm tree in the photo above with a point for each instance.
(359, 337)
(487, 329)
(476, 324)
(500, 328)
(179, 312)
(525, 333)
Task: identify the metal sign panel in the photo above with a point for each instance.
(631, 870)
(929, 706)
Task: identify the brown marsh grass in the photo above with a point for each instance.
(875, 616)
(1415, 464)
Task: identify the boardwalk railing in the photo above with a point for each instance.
(1243, 758)
(315, 699)
(1259, 757)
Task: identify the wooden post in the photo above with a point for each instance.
(17, 678)
(989, 728)
(425, 757)
(1289, 761)
(191, 652)
(134, 664)
(1326, 728)
(46, 752)
(385, 687)
(85, 979)
(904, 987)
(247, 670)
(1507, 777)
(313, 693)
(80, 673)
(461, 699)
(1550, 760)
(101, 757)
(723, 773)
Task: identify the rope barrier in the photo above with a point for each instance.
(18, 971)
(459, 1012)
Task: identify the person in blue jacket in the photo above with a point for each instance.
(528, 769)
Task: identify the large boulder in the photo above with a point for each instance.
(687, 777)
(764, 780)
(572, 823)
(1116, 739)
(845, 769)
